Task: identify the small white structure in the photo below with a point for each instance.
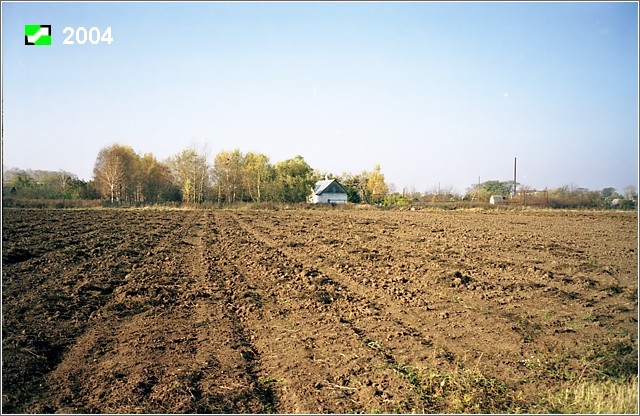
(496, 200)
(328, 191)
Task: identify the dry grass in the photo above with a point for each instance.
(598, 397)
(12, 202)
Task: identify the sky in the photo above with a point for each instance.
(437, 94)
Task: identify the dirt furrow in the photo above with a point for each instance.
(400, 328)
(52, 297)
(304, 325)
(468, 316)
(313, 311)
(164, 344)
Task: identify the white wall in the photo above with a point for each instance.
(496, 199)
(329, 198)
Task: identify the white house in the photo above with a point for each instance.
(328, 191)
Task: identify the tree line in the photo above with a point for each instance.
(42, 184)
(122, 175)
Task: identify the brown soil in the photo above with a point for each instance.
(329, 311)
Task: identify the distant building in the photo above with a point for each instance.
(496, 200)
(328, 191)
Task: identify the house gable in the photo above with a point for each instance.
(328, 192)
(333, 188)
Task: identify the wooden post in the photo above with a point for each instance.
(546, 196)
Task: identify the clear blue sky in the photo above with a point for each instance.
(436, 93)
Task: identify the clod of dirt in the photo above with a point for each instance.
(460, 279)
(17, 255)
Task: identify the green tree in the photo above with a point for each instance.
(493, 187)
(154, 179)
(497, 187)
(609, 193)
(257, 174)
(351, 184)
(54, 184)
(23, 181)
(293, 181)
(42, 183)
(79, 189)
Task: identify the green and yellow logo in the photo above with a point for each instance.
(37, 35)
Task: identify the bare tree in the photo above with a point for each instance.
(64, 178)
(630, 192)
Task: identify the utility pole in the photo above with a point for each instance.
(514, 177)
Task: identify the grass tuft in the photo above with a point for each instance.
(598, 397)
(463, 391)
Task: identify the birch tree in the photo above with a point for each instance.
(191, 174)
(114, 172)
(257, 173)
(227, 170)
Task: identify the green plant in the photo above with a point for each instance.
(462, 391)
(574, 325)
(531, 363)
(267, 380)
(614, 359)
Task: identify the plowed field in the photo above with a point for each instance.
(327, 311)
